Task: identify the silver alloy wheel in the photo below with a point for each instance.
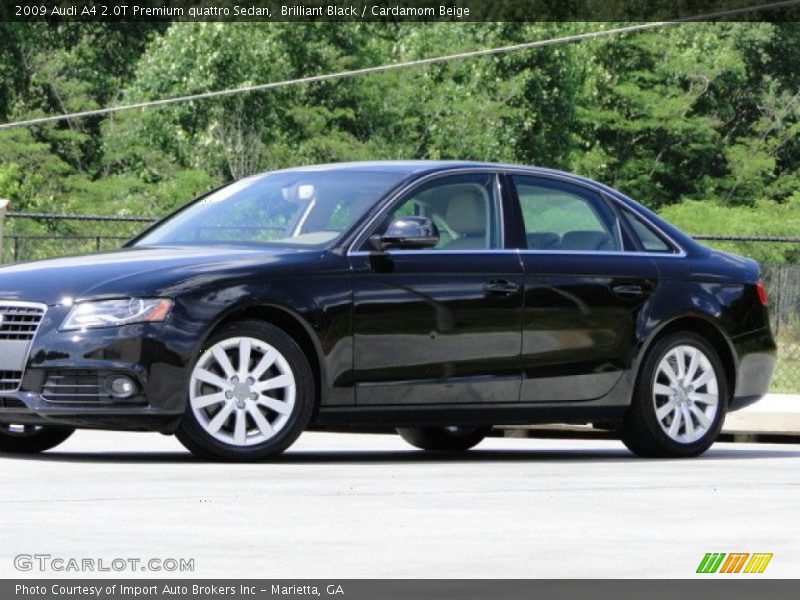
(245, 404)
(685, 394)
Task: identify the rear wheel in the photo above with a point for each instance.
(679, 400)
(454, 438)
(31, 439)
(251, 394)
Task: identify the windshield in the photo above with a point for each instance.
(300, 208)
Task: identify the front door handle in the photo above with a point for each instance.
(628, 290)
(501, 287)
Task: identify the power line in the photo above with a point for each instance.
(402, 65)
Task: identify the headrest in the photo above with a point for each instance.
(544, 240)
(586, 240)
(466, 213)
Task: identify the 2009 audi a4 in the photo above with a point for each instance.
(440, 298)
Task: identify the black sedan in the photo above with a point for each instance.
(440, 298)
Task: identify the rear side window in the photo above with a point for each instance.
(651, 241)
(560, 216)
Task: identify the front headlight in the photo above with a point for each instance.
(112, 313)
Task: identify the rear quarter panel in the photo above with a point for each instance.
(719, 289)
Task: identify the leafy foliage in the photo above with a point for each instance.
(699, 121)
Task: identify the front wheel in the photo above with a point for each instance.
(251, 394)
(454, 438)
(679, 400)
(31, 439)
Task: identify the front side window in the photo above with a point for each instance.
(464, 208)
(299, 208)
(559, 216)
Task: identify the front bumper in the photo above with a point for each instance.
(28, 408)
(156, 356)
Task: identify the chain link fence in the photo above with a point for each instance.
(783, 288)
(32, 236)
(32, 247)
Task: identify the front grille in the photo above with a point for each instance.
(10, 380)
(75, 386)
(19, 321)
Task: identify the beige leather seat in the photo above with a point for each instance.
(466, 215)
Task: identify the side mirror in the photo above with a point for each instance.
(407, 233)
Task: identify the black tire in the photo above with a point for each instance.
(31, 439)
(444, 439)
(641, 431)
(196, 439)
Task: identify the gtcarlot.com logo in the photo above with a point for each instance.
(734, 562)
(61, 564)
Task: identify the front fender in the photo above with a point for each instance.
(317, 309)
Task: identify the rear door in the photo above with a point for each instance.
(583, 291)
(441, 325)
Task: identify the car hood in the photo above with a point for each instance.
(131, 271)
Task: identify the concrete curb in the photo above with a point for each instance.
(775, 414)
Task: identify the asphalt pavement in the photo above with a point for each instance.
(355, 506)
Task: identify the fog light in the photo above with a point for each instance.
(121, 387)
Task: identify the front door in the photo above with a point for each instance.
(441, 325)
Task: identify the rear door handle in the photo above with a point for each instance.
(501, 287)
(628, 290)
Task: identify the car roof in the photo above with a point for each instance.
(418, 168)
(414, 167)
(408, 167)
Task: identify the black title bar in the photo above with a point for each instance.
(397, 10)
(703, 587)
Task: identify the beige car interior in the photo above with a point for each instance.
(464, 210)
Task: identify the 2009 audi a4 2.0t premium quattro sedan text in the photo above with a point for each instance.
(440, 298)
